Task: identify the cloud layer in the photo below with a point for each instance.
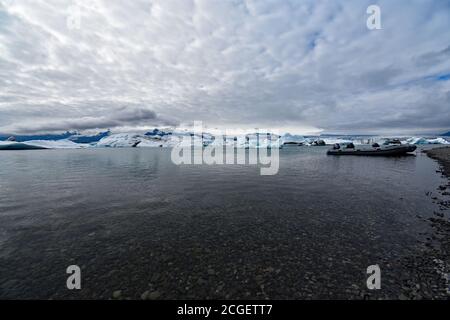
(299, 65)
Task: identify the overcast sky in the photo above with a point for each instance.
(302, 66)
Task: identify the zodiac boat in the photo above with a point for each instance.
(372, 150)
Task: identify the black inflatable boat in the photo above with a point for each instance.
(374, 150)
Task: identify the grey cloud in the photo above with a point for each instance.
(299, 64)
(378, 78)
(125, 116)
(134, 115)
(434, 57)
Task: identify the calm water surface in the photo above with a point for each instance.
(134, 222)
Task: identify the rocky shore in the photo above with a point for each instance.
(442, 155)
(439, 243)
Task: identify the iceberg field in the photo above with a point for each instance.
(421, 140)
(124, 140)
(119, 140)
(44, 144)
(184, 139)
(337, 140)
(293, 138)
(56, 144)
(172, 138)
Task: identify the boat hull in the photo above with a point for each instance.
(388, 151)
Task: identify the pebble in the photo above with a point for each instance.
(154, 295)
(402, 297)
(117, 294)
(144, 296)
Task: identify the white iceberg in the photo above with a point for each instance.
(289, 138)
(421, 140)
(337, 140)
(13, 145)
(120, 140)
(124, 140)
(56, 144)
(41, 144)
(184, 139)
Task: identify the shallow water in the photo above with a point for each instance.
(133, 221)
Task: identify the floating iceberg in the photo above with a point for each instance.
(13, 145)
(40, 144)
(289, 138)
(80, 138)
(184, 139)
(120, 140)
(421, 140)
(337, 140)
(124, 140)
(56, 144)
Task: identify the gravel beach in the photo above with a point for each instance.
(441, 223)
(442, 155)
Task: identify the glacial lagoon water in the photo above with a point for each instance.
(135, 222)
